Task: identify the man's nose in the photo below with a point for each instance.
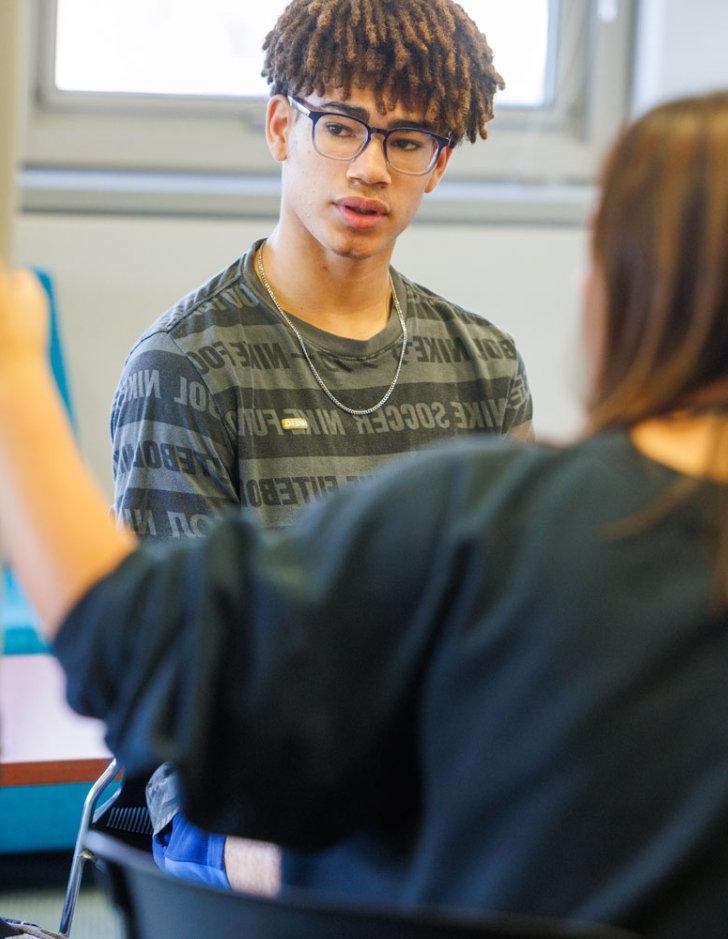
(371, 164)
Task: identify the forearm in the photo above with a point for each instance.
(54, 520)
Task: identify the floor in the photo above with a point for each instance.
(93, 918)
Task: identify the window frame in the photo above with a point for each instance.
(189, 148)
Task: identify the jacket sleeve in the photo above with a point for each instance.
(278, 671)
(174, 459)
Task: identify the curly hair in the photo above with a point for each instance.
(424, 54)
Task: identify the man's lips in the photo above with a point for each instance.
(361, 213)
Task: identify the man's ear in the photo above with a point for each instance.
(278, 122)
(439, 170)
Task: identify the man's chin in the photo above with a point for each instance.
(354, 254)
(358, 248)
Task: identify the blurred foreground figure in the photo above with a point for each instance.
(495, 676)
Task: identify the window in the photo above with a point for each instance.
(158, 105)
(147, 48)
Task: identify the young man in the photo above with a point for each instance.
(310, 361)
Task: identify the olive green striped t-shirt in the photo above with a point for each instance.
(217, 405)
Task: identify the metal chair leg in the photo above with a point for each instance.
(80, 853)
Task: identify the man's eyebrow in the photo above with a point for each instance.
(350, 109)
(363, 115)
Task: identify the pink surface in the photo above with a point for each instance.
(41, 739)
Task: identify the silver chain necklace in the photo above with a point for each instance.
(357, 412)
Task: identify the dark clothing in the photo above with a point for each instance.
(483, 679)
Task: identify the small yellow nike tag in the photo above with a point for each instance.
(294, 423)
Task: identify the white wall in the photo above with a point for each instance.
(682, 48)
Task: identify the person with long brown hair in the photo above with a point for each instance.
(495, 676)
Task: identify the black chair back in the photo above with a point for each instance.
(154, 905)
(125, 815)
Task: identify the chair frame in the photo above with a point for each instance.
(151, 901)
(81, 852)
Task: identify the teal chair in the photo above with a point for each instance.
(36, 818)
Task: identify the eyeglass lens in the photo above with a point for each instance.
(343, 138)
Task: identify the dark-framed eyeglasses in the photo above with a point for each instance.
(409, 150)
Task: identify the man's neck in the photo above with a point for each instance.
(344, 296)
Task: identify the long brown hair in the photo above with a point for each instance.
(660, 240)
